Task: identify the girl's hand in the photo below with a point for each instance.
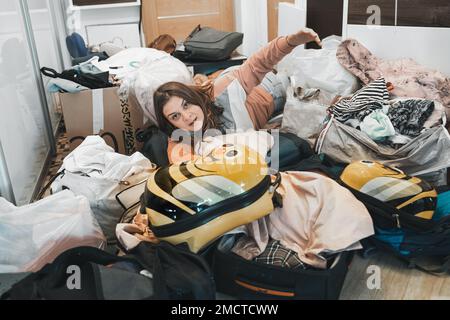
(303, 36)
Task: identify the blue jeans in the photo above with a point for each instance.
(271, 84)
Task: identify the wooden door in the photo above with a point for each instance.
(179, 17)
(272, 17)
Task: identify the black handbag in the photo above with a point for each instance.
(209, 44)
(91, 81)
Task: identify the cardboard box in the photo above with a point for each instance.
(101, 112)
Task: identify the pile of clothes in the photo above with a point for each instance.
(393, 122)
(409, 79)
(398, 117)
(319, 219)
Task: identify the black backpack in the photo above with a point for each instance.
(172, 273)
(421, 243)
(91, 81)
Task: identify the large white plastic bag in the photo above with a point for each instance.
(157, 69)
(128, 60)
(305, 118)
(95, 171)
(320, 69)
(34, 235)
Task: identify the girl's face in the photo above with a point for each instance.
(182, 115)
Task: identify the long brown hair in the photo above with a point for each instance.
(197, 95)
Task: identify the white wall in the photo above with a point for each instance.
(251, 19)
(426, 45)
(291, 18)
(79, 19)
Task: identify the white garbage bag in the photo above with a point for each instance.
(128, 61)
(156, 69)
(319, 69)
(34, 235)
(95, 171)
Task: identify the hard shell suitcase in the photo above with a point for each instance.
(246, 279)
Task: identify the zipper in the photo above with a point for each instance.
(397, 218)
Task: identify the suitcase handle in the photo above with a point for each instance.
(257, 288)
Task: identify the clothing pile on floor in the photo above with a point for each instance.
(390, 122)
(398, 116)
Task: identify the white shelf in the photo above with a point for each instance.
(105, 6)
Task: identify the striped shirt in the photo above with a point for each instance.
(372, 97)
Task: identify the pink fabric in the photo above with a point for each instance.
(259, 103)
(253, 71)
(409, 78)
(317, 215)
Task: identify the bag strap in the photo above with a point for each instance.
(47, 186)
(113, 138)
(49, 72)
(103, 135)
(396, 217)
(119, 195)
(196, 29)
(442, 270)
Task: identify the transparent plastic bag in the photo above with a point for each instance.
(319, 69)
(34, 235)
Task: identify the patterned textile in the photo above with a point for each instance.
(408, 116)
(372, 97)
(276, 254)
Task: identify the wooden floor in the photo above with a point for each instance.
(397, 281)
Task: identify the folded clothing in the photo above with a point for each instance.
(372, 97)
(63, 85)
(409, 116)
(377, 126)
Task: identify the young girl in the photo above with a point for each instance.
(236, 100)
